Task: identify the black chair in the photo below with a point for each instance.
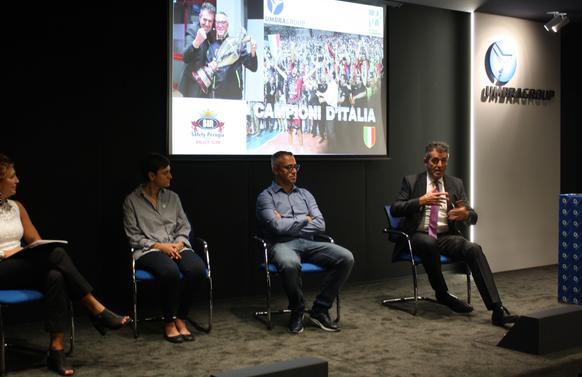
(139, 276)
(9, 297)
(271, 269)
(395, 234)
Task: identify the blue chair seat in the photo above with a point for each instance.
(200, 247)
(305, 267)
(17, 296)
(264, 264)
(396, 234)
(417, 260)
(21, 296)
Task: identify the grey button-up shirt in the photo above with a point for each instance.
(145, 224)
(294, 207)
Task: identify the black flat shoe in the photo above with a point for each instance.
(175, 339)
(107, 320)
(57, 362)
(187, 338)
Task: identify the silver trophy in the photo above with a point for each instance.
(227, 54)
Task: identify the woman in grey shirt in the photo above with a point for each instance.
(158, 231)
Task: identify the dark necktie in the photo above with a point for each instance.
(434, 215)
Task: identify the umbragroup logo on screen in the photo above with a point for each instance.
(275, 6)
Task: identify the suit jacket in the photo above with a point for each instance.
(407, 205)
(194, 59)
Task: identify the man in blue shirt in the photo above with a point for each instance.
(289, 219)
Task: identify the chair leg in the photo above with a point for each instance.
(207, 328)
(135, 320)
(415, 288)
(337, 306)
(210, 304)
(72, 330)
(269, 319)
(265, 316)
(468, 287)
(415, 297)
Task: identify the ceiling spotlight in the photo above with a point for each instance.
(558, 21)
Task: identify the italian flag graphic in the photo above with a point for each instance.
(369, 136)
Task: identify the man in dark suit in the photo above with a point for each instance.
(436, 209)
(198, 39)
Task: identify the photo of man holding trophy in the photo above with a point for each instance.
(223, 76)
(195, 51)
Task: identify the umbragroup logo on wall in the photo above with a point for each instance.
(208, 129)
(501, 65)
(500, 62)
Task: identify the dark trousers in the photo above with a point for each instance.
(457, 247)
(176, 293)
(336, 260)
(49, 269)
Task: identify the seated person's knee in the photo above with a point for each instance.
(55, 277)
(57, 254)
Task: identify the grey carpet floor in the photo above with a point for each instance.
(375, 340)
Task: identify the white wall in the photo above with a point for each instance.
(517, 149)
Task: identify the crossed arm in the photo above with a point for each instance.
(282, 222)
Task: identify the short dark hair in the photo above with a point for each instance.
(153, 162)
(440, 146)
(275, 157)
(5, 164)
(208, 7)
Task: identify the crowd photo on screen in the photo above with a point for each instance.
(321, 90)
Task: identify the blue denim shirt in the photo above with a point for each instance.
(294, 207)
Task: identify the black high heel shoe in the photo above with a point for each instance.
(57, 362)
(107, 320)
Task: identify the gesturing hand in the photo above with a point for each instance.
(200, 37)
(434, 198)
(459, 213)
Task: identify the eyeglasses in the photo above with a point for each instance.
(291, 167)
(221, 22)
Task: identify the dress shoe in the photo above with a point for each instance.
(107, 320)
(453, 303)
(174, 339)
(321, 318)
(501, 316)
(57, 362)
(296, 322)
